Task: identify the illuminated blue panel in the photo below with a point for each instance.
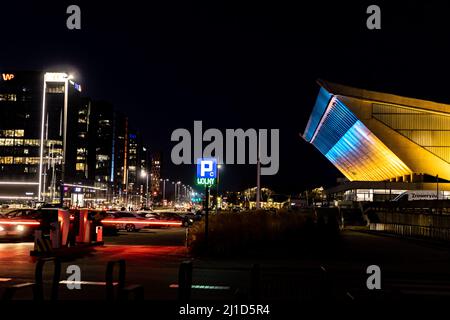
(322, 101)
(337, 120)
(361, 156)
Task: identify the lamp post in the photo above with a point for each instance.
(177, 186)
(164, 188)
(219, 166)
(145, 174)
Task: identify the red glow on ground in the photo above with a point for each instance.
(150, 223)
(20, 222)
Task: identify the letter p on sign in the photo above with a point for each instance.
(206, 168)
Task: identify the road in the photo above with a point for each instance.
(153, 257)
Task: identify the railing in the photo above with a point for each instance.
(433, 226)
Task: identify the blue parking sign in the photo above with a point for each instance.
(206, 168)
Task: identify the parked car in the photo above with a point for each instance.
(174, 216)
(21, 223)
(125, 220)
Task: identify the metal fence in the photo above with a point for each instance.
(413, 225)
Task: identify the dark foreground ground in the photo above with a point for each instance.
(408, 269)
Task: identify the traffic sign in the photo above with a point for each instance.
(206, 171)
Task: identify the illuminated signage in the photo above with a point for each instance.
(206, 181)
(206, 168)
(7, 76)
(206, 171)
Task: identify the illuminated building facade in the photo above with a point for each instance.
(371, 136)
(156, 173)
(20, 119)
(103, 158)
(37, 110)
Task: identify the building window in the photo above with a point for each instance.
(25, 151)
(6, 142)
(6, 160)
(80, 167)
(81, 151)
(19, 160)
(102, 157)
(55, 89)
(8, 97)
(19, 133)
(7, 133)
(32, 142)
(32, 160)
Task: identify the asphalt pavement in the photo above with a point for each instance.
(153, 258)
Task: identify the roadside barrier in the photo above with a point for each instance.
(412, 230)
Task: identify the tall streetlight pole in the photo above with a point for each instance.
(164, 188)
(219, 166)
(178, 190)
(145, 174)
(175, 191)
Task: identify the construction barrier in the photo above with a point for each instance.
(89, 227)
(52, 233)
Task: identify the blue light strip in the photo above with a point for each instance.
(337, 121)
(323, 98)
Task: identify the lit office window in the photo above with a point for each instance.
(9, 142)
(32, 142)
(18, 142)
(102, 157)
(6, 160)
(55, 89)
(25, 151)
(8, 97)
(32, 160)
(8, 133)
(19, 133)
(19, 160)
(80, 167)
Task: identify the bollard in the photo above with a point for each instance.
(136, 289)
(185, 281)
(38, 288)
(255, 282)
(109, 279)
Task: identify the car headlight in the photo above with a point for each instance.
(20, 228)
(1, 228)
(190, 220)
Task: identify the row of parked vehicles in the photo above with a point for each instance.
(21, 223)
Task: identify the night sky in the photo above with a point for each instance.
(231, 65)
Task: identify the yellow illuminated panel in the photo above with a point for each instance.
(361, 156)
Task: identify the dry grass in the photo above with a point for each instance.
(246, 232)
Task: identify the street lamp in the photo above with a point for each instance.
(164, 188)
(144, 174)
(177, 186)
(219, 166)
